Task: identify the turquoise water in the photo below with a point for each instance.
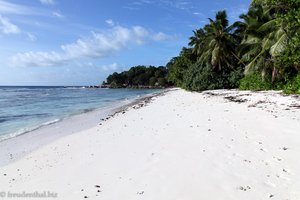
(23, 109)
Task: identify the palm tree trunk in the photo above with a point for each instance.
(238, 59)
(274, 74)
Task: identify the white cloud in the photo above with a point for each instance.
(141, 33)
(7, 7)
(174, 4)
(142, 2)
(90, 64)
(110, 22)
(11, 8)
(110, 67)
(101, 44)
(47, 2)
(98, 45)
(31, 37)
(57, 14)
(38, 59)
(235, 12)
(161, 36)
(183, 5)
(7, 27)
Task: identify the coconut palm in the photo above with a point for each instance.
(219, 42)
(197, 41)
(264, 40)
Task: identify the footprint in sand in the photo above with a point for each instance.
(263, 150)
(244, 188)
(287, 171)
(277, 158)
(285, 148)
(140, 193)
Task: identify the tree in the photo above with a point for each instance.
(197, 41)
(139, 76)
(220, 43)
(287, 13)
(177, 66)
(266, 38)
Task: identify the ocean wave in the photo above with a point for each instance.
(27, 130)
(73, 88)
(21, 116)
(38, 104)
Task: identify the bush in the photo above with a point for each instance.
(293, 86)
(161, 82)
(255, 82)
(201, 77)
(235, 77)
(152, 81)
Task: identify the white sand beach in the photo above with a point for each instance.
(215, 145)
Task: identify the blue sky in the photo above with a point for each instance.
(68, 42)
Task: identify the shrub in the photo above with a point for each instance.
(293, 86)
(152, 81)
(161, 82)
(235, 77)
(255, 82)
(197, 78)
(201, 77)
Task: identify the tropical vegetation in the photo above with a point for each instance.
(139, 77)
(261, 51)
(258, 52)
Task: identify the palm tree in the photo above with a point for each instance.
(263, 40)
(197, 41)
(220, 43)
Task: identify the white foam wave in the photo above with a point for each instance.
(26, 130)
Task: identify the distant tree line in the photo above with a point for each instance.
(139, 77)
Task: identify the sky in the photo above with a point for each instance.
(80, 42)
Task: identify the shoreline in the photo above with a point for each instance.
(221, 145)
(47, 133)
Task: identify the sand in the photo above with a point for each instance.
(217, 145)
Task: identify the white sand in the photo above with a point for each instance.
(181, 146)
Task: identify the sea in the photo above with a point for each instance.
(24, 109)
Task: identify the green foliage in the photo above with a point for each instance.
(139, 76)
(217, 65)
(255, 82)
(201, 77)
(293, 86)
(234, 77)
(268, 43)
(161, 82)
(152, 81)
(177, 66)
(220, 43)
(290, 58)
(264, 45)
